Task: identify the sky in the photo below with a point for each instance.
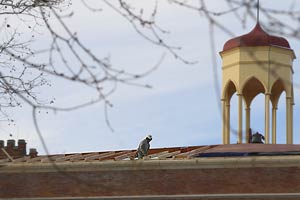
(181, 109)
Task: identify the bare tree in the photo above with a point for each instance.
(25, 69)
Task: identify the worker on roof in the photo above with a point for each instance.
(144, 147)
(257, 138)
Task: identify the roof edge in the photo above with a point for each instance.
(195, 163)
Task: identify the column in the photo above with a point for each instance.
(240, 118)
(292, 120)
(289, 135)
(247, 109)
(267, 118)
(227, 136)
(223, 121)
(274, 124)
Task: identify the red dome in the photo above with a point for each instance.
(256, 37)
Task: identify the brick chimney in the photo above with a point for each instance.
(10, 145)
(22, 146)
(13, 150)
(33, 152)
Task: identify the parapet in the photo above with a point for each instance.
(13, 150)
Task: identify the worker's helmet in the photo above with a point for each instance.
(149, 137)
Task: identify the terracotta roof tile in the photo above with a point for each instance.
(162, 153)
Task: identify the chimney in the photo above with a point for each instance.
(10, 145)
(22, 146)
(12, 150)
(33, 153)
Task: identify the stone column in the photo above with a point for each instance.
(240, 118)
(267, 118)
(227, 122)
(274, 124)
(223, 121)
(247, 109)
(289, 135)
(292, 120)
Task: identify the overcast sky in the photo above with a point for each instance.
(181, 109)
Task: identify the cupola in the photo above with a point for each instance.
(252, 64)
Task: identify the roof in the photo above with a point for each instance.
(174, 153)
(256, 37)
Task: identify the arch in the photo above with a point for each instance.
(276, 90)
(251, 88)
(229, 89)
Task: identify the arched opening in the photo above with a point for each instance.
(230, 89)
(253, 93)
(278, 112)
(228, 92)
(234, 120)
(281, 120)
(258, 114)
(251, 89)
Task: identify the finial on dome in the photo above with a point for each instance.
(256, 37)
(257, 15)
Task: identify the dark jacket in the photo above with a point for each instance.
(257, 138)
(143, 148)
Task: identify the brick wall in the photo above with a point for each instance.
(13, 150)
(151, 182)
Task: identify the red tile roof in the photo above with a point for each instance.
(164, 153)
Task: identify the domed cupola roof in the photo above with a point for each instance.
(256, 37)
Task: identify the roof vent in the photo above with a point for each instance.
(33, 153)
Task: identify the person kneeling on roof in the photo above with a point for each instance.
(257, 138)
(144, 147)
